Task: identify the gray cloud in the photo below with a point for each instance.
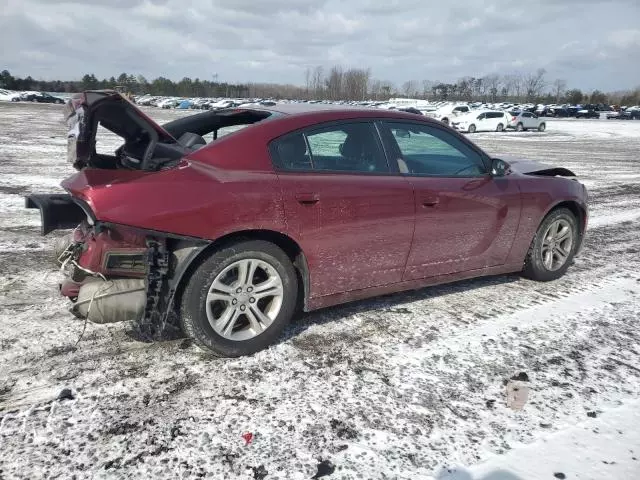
(276, 40)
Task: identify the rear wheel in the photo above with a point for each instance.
(519, 127)
(553, 246)
(500, 127)
(240, 298)
(445, 121)
(472, 128)
(542, 127)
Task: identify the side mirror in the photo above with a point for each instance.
(499, 167)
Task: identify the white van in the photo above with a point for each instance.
(481, 121)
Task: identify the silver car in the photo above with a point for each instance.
(521, 121)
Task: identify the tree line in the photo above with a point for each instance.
(339, 83)
(136, 84)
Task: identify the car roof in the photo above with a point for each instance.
(329, 112)
(306, 108)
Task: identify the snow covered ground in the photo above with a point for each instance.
(407, 386)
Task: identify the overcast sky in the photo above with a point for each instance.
(590, 43)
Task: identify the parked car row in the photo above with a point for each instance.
(39, 97)
(630, 113)
(498, 121)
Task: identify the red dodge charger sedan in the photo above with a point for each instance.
(228, 236)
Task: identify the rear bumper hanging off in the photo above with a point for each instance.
(58, 211)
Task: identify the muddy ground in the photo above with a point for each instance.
(395, 387)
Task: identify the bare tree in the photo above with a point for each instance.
(355, 83)
(534, 84)
(317, 80)
(307, 81)
(375, 88)
(410, 88)
(427, 88)
(493, 84)
(333, 83)
(559, 87)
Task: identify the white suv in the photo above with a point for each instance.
(481, 121)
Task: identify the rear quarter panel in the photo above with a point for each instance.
(195, 199)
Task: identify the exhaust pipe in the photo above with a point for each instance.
(111, 301)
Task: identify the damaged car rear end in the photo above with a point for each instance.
(139, 216)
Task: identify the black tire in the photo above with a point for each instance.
(542, 127)
(534, 267)
(472, 128)
(519, 127)
(193, 315)
(445, 121)
(500, 127)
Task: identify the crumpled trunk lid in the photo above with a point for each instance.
(85, 111)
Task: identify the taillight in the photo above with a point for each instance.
(513, 119)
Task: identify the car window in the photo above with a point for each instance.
(349, 147)
(427, 150)
(481, 116)
(526, 114)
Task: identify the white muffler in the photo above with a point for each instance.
(111, 301)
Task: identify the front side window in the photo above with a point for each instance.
(429, 151)
(349, 147)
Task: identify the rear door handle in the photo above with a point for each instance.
(430, 201)
(307, 198)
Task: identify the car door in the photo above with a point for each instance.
(354, 217)
(481, 122)
(466, 219)
(527, 120)
(534, 121)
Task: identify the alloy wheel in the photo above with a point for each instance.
(244, 299)
(557, 244)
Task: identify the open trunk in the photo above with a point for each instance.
(146, 144)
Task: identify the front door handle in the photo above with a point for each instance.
(307, 198)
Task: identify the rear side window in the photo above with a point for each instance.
(346, 147)
(495, 115)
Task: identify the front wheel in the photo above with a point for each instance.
(472, 128)
(240, 298)
(553, 246)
